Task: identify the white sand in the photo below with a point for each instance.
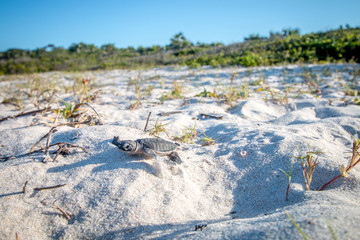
(111, 195)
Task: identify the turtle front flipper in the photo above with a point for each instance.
(157, 169)
(150, 153)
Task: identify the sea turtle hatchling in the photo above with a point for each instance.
(151, 147)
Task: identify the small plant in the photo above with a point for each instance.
(232, 94)
(188, 136)
(285, 73)
(69, 110)
(40, 91)
(355, 159)
(289, 179)
(207, 141)
(154, 77)
(158, 128)
(327, 72)
(84, 90)
(312, 81)
(308, 165)
(162, 83)
(148, 90)
(74, 112)
(356, 72)
(82, 86)
(138, 98)
(244, 91)
(175, 93)
(350, 91)
(15, 101)
(205, 93)
(233, 75)
(278, 98)
(177, 90)
(130, 82)
(258, 82)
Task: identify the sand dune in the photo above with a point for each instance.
(232, 189)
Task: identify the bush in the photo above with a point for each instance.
(249, 59)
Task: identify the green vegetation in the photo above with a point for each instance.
(297, 226)
(174, 94)
(207, 141)
(289, 179)
(308, 165)
(188, 136)
(288, 46)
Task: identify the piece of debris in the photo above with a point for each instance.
(216, 116)
(165, 114)
(200, 227)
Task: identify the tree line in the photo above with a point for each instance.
(285, 47)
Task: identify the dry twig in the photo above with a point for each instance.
(25, 114)
(217, 116)
(24, 187)
(147, 121)
(165, 114)
(48, 188)
(17, 236)
(48, 135)
(63, 147)
(64, 213)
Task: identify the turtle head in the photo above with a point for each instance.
(128, 146)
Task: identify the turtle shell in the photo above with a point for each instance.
(158, 145)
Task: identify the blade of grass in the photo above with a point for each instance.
(297, 226)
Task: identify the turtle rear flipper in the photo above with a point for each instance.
(174, 157)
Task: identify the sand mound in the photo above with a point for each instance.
(232, 189)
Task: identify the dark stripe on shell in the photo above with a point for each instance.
(158, 145)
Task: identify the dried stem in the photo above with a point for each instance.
(339, 176)
(147, 121)
(64, 213)
(4, 159)
(355, 159)
(24, 187)
(62, 144)
(63, 147)
(52, 130)
(308, 166)
(47, 188)
(25, 113)
(101, 123)
(165, 114)
(17, 236)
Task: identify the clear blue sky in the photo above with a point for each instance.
(30, 24)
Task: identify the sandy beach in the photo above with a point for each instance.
(237, 127)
